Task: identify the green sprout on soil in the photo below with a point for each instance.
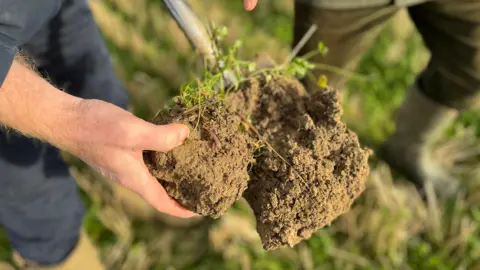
(212, 82)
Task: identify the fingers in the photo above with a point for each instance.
(249, 4)
(161, 138)
(144, 184)
(156, 195)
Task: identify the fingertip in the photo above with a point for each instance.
(161, 201)
(190, 215)
(182, 212)
(178, 211)
(249, 5)
(172, 207)
(170, 136)
(185, 214)
(182, 131)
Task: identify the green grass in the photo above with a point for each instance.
(389, 227)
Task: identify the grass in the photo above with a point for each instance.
(389, 227)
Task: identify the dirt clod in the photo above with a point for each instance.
(208, 173)
(303, 167)
(314, 169)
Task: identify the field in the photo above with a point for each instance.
(389, 227)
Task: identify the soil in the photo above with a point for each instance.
(315, 167)
(208, 173)
(302, 166)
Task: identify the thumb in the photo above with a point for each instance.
(161, 138)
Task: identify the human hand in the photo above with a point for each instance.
(250, 4)
(105, 136)
(112, 140)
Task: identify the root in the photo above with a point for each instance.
(217, 143)
(260, 137)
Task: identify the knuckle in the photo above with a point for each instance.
(128, 132)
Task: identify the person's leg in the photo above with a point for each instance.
(71, 53)
(39, 203)
(451, 31)
(348, 34)
(450, 83)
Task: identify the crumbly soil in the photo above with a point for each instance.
(313, 168)
(308, 172)
(208, 173)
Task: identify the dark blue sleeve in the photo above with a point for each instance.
(19, 21)
(7, 53)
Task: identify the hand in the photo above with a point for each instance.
(105, 136)
(250, 4)
(112, 140)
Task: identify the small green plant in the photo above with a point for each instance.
(212, 82)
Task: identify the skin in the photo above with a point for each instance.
(250, 4)
(108, 138)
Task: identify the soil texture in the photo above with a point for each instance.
(208, 173)
(302, 166)
(311, 169)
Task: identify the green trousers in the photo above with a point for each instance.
(450, 30)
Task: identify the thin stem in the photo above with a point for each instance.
(260, 137)
(310, 54)
(339, 71)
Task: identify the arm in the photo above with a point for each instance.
(107, 137)
(32, 106)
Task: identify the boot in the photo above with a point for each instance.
(420, 122)
(84, 256)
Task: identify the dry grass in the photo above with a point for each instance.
(390, 227)
(380, 229)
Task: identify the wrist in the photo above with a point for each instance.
(64, 124)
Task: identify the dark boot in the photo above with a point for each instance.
(420, 122)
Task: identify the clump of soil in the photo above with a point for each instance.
(312, 168)
(309, 171)
(208, 173)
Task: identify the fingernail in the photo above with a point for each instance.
(252, 4)
(247, 4)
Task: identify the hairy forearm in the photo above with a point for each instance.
(32, 106)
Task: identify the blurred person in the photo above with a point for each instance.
(40, 207)
(449, 84)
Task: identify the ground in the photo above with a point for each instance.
(389, 227)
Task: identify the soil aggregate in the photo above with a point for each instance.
(315, 167)
(208, 173)
(284, 150)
